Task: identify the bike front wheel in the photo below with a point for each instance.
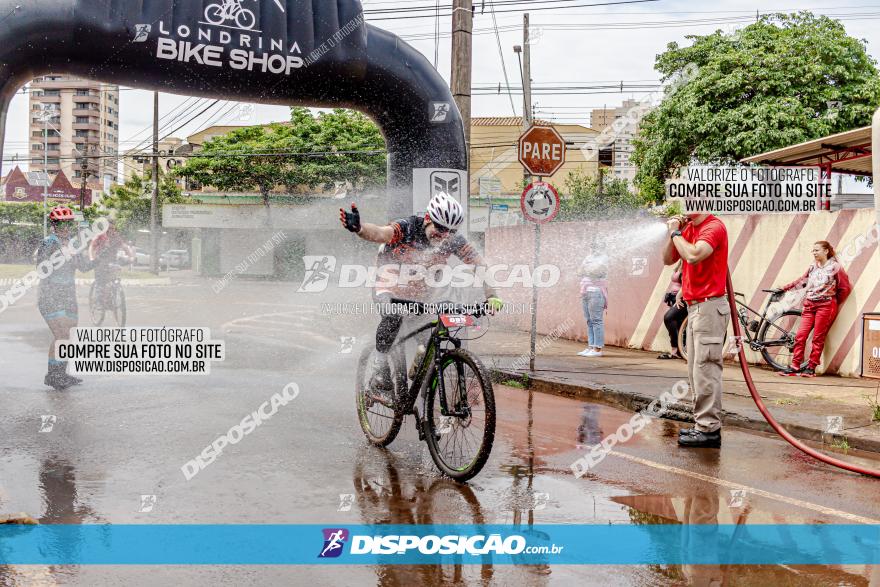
(120, 312)
(777, 339)
(96, 307)
(380, 417)
(461, 430)
(246, 19)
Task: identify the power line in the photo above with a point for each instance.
(501, 55)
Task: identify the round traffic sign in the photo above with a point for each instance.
(540, 202)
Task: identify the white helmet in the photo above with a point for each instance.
(445, 211)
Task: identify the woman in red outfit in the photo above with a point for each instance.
(820, 293)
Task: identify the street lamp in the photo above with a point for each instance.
(45, 114)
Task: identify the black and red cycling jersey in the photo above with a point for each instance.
(411, 246)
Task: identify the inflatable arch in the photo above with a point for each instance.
(288, 52)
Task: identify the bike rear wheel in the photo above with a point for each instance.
(379, 419)
(460, 444)
(96, 308)
(215, 14)
(777, 338)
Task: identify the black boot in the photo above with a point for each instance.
(56, 378)
(69, 378)
(700, 439)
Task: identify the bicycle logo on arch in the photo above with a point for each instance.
(231, 13)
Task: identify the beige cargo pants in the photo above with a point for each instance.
(707, 325)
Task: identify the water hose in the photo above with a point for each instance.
(744, 364)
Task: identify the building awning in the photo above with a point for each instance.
(845, 152)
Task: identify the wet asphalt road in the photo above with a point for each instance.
(118, 438)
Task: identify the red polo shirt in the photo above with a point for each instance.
(708, 278)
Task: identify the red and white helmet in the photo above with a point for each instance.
(61, 214)
(445, 211)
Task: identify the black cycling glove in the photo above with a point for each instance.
(351, 220)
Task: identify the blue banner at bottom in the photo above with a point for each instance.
(824, 544)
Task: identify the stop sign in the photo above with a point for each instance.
(542, 150)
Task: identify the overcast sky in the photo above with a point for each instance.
(621, 46)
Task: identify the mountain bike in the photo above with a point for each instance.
(771, 334)
(218, 14)
(448, 391)
(110, 297)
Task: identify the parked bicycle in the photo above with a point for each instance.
(110, 297)
(771, 334)
(448, 391)
(218, 14)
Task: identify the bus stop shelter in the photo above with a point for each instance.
(846, 152)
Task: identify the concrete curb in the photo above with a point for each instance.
(682, 412)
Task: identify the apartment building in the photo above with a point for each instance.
(72, 117)
(620, 124)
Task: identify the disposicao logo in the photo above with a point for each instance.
(334, 541)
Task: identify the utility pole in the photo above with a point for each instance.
(462, 66)
(527, 75)
(462, 60)
(154, 204)
(524, 54)
(84, 171)
(45, 115)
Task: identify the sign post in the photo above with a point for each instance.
(542, 153)
(540, 205)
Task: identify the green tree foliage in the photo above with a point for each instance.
(581, 197)
(767, 86)
(310, 152)
(130, 202)
(21, 230)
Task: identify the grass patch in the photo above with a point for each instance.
(522, 382)
(786, 402)
(875, 408)
(842, 444)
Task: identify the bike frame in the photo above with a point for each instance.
(763, 319)
(434, 354)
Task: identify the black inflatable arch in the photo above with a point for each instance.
(288, 52)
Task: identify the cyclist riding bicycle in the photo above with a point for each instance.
(103, 252)
(425, 241)
(56, 298)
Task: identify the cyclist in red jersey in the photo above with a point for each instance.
(425, 241)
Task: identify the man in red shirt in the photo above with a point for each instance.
(700, 240)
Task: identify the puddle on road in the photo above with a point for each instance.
(735, 508)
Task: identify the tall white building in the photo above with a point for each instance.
(620, 124)
(81, 118)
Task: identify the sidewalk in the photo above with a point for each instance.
(631, 379)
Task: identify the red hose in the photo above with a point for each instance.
(744, 364)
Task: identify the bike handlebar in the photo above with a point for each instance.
(476, 310)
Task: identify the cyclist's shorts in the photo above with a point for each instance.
(55, 306)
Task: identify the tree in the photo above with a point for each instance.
(785, 79)
(584, 200)
(312, 152)
(130, 202)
